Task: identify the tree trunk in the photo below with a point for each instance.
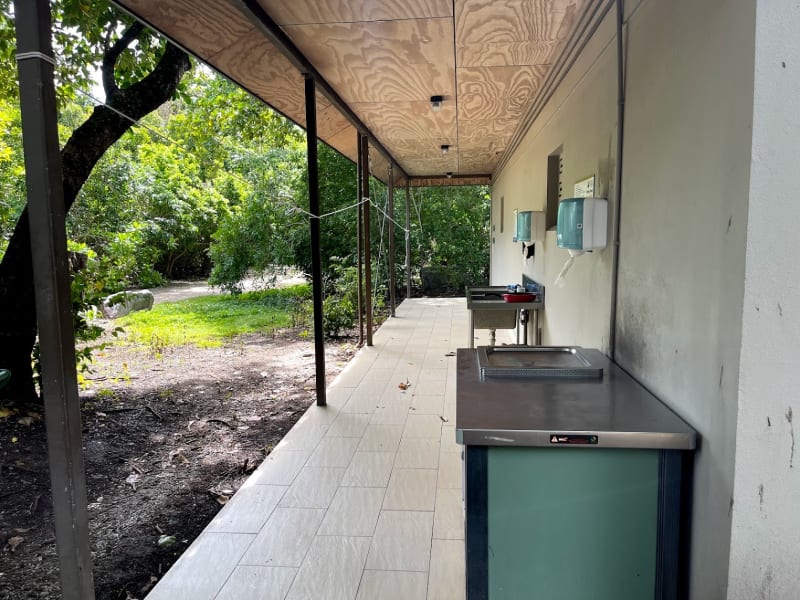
(85, 147)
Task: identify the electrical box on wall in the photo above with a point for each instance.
(530, 226)
(582, 223)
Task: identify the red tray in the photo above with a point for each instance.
(519, 297)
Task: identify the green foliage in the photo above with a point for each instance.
(210, 320)
(339, 305)
(450, 231)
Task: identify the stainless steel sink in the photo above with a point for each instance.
(536, 362)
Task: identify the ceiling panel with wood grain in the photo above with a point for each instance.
(385, 59)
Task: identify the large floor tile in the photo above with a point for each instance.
(381, 438)
(263, 583)
(333, 452)
(450, 470)
(353, 512)
(349, 425)
(411, 489)
(402, 541)
(203, 569)
(284, 540)
(393, 585)
(417, 453)
(248, 510)
(369, 469)
(280, 468)
(447, 580)
(448, 517)
(332, 569)
(423, 426)
(427, 404)
(313, 488)
(449, 443)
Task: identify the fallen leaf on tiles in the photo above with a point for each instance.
(444, 419)
(404, 385)
(14, 542)
(450, 354)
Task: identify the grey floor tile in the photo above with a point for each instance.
(393, 414)
(280, 467)
(332, 569)
(369, 469)
(203, 569)
(450, 470)
(284, 540)
(314, 487)
(423, 426)
(393, 585)
(427, 405)
(448, 517)
(381, 438)
(447, 580)
(353, 512)
(402, 541)
(417, 453)
(449, 443)
(334, 452)
(303, 436)
(411, 489)
(349, 425)
(248, 510)
(262, 583)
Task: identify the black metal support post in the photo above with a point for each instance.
(408, 240)
(367, 244)
(53, 304)
(360, 245)
(316, 253)
(392, 282)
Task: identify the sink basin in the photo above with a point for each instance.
(536, 362)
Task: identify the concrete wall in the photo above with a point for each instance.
(683, 226)
(684, 220)
(765, 541)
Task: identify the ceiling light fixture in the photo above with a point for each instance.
(436, 103)
(445, 148)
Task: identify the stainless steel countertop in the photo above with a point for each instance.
(497, 302)
(529, 412)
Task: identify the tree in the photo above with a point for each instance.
(138, 74)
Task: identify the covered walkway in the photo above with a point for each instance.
(362, 498)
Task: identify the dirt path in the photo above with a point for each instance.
(181, 290)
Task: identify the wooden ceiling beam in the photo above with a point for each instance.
(273, 32)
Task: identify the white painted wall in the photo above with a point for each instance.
(683, 230)
(581, 118)
(765, 540)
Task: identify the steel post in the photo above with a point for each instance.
(53, 305)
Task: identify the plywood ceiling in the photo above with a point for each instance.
(385, 59)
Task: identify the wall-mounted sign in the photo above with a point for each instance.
(584, 188)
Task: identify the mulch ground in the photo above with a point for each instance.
(169, 435)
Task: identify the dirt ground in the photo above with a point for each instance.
(169, 435)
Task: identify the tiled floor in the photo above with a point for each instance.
(362, 499)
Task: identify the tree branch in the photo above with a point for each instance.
(112, 55)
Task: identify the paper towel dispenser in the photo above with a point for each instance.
(529, 226)
(582, 224)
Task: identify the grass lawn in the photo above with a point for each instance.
(208, 321)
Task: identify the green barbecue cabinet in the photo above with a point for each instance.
(576, 478)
